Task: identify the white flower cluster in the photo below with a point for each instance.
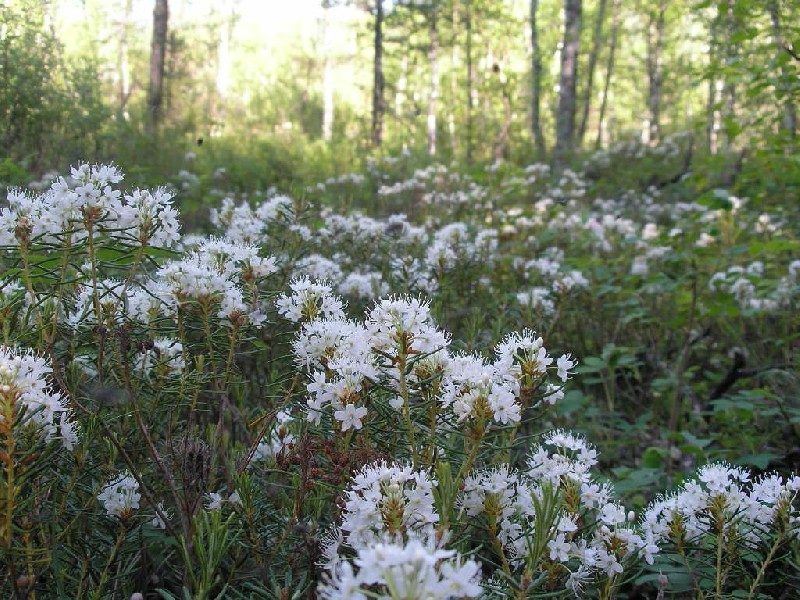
(385, 503)
(121, 496)
(743, 283)
(399, 344)
(165, 357)
(246, 225)
(26, 383)
(725, 498)
(88, 200)
(559, 472)
(309, 300)
(219, 273)
(412, 570)
(277, 440)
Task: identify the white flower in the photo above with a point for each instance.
(350, 416)
(308, 301)
(412, 570)
(564, 364)
(121, 496)
(387, 501)
(26, 378)
(559, 548)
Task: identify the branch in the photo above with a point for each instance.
(737, 372)
(791, 51)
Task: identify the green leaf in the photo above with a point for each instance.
(760, 461)
(653, 458)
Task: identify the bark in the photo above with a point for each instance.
(454, 68)
(158, 54)
(655, 71)
(433, 99)
(470, 82)
(378, 84)
(501, 142)
(610, 61)
(729, 92)
(590, 69)
(327, 74)
(713, 117)
(536, 83)
(565, 115)
(123, 64)
(224, 63)
(789, 108)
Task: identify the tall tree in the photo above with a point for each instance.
(565, 114)
(158, 53)
(655, 69)
(610, 61)
(123, 62)
(378, 82)
(435, 84)
(729, 91)
(455, 60)
(470, 80)
(222, 79)
(713, 115)
(597, 42)
(327, 70)
(789, 107)
(536, 82)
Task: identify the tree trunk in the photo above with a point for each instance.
(713, 117)
(789, 108)
(729, 85)
(536, 84)
(470, 82)
(224, 63)
(378, 85)
(454, 68)
(327, 74)
(123, 63)
(402, 88)
(501, 142)
(590, 69)
(612, 50)
(655, 71)
(433, 59)
(158, 53)
(565, 116)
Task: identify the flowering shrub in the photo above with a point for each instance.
(307, 402)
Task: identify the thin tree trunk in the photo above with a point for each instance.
(224, 63)
(789, 108)
(123, 63)
(158, 53)
(470, 82)
(590, 69)
(378, 84)
(655, 72)
(536, 84)
(402, 87)
(327, 74)
(454, 68)
(729, 85)
(501, 143)
(565, 115)
(712, 110)
(612, 50)
(433, 59)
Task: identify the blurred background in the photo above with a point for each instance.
(290, 91)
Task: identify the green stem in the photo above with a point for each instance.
(763, 569)
(412, 443)
(104, 576)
